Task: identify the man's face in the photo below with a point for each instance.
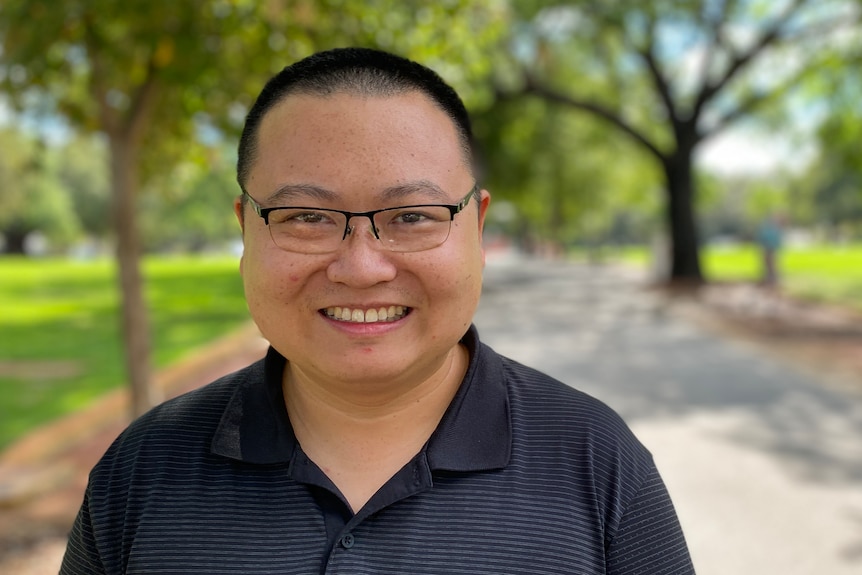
(346, 152)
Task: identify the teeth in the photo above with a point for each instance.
(373, 315)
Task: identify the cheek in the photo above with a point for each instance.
(459, 281)
(271, 275)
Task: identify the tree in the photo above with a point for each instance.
(118, 68)
(152, 74)
(670, 74)
(31, 193)
(836, 178)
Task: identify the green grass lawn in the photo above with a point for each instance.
(59, 333)
(825, 274)
(831, 274)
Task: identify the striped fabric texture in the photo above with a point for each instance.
(524, 475)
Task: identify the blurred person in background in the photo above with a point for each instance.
(769, 238)
(378, 435)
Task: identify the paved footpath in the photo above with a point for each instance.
(763, 460)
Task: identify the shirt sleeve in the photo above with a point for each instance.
(649, 539)
(82, 555)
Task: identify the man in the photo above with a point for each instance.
(769, 238)
(378, 435)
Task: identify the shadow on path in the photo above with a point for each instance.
(601, 331)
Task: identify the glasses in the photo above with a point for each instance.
(319, 231)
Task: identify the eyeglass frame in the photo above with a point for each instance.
(454, 209)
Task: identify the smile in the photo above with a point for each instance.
(372, 315)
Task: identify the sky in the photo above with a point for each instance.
(743, 151)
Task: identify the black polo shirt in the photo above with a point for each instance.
(523, 475)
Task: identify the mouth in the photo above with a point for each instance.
(381, 314)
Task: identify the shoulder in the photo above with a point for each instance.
(536, 394)
(179, 427)
(203, 404)
(549, 416)
(572, 445)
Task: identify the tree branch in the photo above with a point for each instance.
(532, 87)
(755, 100)
(98, 88)
(142, 102)
(661, 84)
(715, 25)
(772, 34)
(821, 28)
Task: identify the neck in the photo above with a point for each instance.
(346, 407)
(362, 437)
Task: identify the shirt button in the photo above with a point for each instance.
(347, 541)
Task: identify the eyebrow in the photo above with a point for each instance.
(420, 187)
(425, 188)
(292, 191)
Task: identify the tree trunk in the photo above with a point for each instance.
(684, 240)
(16, 240)
(135, 323)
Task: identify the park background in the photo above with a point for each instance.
(664, 136)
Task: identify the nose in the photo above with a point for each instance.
(360, 260)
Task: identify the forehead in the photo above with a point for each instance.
(401, 136)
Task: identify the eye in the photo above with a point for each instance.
(310, 217)
(418, 216)
(296, 217)
(409, 217)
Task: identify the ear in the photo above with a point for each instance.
(238, 210)
(484, 202)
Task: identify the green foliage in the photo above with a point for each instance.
(825, 203)
(98, 63)
(193, 209)
(835, 180)
(59, 337)
(211, 57)
(553, 167)
(83, 172)
(836, 177)
(766, 199)
(31, 191)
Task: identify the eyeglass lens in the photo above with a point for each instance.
(321, 231)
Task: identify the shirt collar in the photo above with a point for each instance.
(474, 435)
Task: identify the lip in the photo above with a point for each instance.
(365, 329)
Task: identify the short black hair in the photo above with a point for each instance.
(362, 71)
